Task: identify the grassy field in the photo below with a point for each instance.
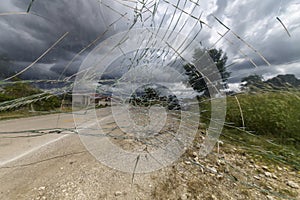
(266, 125)
(272, 114)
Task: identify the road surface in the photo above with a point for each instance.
(52, 163)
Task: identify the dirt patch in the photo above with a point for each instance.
(229, 174)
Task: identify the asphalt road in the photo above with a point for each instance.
(20, 137)
(52, 163)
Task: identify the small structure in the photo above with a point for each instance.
(81, 100)
(86, 99)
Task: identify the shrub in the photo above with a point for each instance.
(47, 104)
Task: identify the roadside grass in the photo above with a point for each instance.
(25, 112)
(263, 149)
(272, 114)
(266, 125)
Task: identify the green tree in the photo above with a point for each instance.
(47, 104)
(4, 97)
(196, 79)
(148, 97)
(173, 103)
(220, 58)
(150, 94)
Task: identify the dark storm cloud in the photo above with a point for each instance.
(23, 38)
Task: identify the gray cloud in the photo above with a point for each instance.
(255, 22)
(23, 38)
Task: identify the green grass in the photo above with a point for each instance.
(264, 148)
(266, 125)
(25, 112)
(272, 114)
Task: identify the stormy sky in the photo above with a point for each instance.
(255, 36)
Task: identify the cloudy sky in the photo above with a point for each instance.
(257, 42)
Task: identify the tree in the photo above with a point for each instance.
(150, 94)
(196, 79)
(220, 59)
(148, 97)
(173, 103)
(47, 104)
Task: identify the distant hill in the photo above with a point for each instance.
(288, 80)
(255, 82)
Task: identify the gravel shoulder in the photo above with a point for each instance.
(65, 170)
